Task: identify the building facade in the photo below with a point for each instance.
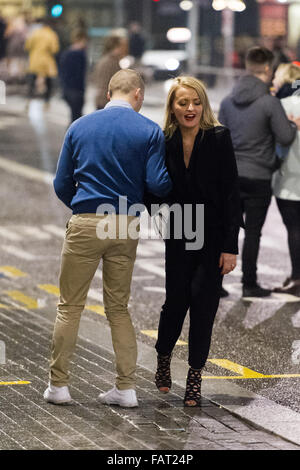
(262, 19)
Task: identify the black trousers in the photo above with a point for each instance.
(31, 86)
(193, 282)
(255, 198)
(75, 100)
(290, 213)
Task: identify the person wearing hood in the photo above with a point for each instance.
(256, 120)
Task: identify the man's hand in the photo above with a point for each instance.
(227, 263)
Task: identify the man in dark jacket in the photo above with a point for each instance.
(136, 41)
(257, 121)
(72, 70)
(2, 37)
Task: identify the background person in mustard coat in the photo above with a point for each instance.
(42, 46)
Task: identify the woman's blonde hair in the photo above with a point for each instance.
(111, 43)
(208, 119)
(289, 72)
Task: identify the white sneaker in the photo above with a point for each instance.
(57, 395)
(126, 398)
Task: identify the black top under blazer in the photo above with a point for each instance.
(212, 181)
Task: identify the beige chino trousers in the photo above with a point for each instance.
(81, 255)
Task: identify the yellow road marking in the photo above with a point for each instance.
(237, 368)
(243, 372)
(280, 376)
(3, 306)
(224, 377)
(97, 309)
(241, 377)
(153, 334)
(54, 290)
(50, 288)
(12, 272)
(238, 377)
(29, 302)
(19, 382)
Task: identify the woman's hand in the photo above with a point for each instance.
(227, 263)
(295, 120)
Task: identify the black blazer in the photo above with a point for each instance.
(213, 181)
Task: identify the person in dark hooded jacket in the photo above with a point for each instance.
(2, 37)
(256, 121)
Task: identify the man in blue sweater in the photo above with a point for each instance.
(108, 159)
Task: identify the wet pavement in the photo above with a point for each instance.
(251, 392)
(160, 423)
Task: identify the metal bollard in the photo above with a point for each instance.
(2, 352)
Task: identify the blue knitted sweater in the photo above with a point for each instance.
(112, 153)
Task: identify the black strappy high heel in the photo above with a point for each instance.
(163, 379)
(193, 388)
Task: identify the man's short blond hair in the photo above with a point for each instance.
(124, 81)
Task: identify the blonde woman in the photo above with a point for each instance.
(286, 180)
(284, 78)
(201, 164)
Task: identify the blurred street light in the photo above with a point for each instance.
(233, 5)
(172, 64)
(57, 10)
(219, 5)
(186, 5)
(179, 35)
(126, 62)
(236, 5)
